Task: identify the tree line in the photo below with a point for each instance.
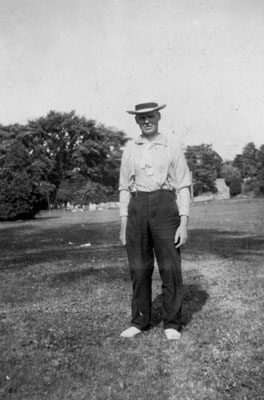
(57, 159)
(246, 172)
(63, 158)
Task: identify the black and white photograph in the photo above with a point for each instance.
(131, 199)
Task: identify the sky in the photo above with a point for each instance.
(204, 59)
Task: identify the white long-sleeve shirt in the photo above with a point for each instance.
(148, 166)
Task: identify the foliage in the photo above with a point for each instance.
(249, 157)
(81, 151)
(235, 187)
(230, 174)
(251, 166)
(238, 163)
(22, 187)
(65, 158)
(94, 192)
(69, 189)
(205, 165)
(225, 165)
(247, 161)
(16, 196)
(260, 170)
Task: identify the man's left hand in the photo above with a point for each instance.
(181, 234)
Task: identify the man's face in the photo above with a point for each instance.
(149, 123)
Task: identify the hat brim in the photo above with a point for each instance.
(147, 110)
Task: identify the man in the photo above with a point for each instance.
(153, 168)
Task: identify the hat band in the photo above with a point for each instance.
(145, 106)
(146, 110)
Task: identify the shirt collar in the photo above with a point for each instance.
(160, 139)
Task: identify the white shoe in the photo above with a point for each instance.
(172, 334)
(130, 332)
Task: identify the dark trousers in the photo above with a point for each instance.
(153, 218)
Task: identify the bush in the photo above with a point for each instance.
(235, 187)
(254, 186)
(16, 197)
(261, 187)
(231, 174)
(258, 188)
(248, 186)
(20, 190)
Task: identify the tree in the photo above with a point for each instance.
(230, 174)
(249, 160)
(205, 165)
(59, 134)
(235, 187)
(65, 158)
(77, 144)
(260, 169)
(238, 163)
(21, 193)
(251, 165)
(233, 180)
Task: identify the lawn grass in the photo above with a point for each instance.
(63, 306)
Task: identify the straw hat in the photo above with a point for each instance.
(146, 108)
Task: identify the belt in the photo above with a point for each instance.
(141, 193)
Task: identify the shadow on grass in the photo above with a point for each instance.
(109, 274)
(25, 246)
(69, 277)
(72, 255)
(194, 295)
(226, 244)
(193, 301)
(28, 245)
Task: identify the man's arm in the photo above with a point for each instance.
(123, 225)
(124, 194)
(124, 197)
(181, 234)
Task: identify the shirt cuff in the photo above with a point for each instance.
(184, 201)
(123, 212)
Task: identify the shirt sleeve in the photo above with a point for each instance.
(182, 179)
(124, 180)
(183, 201)
(124, 176)
(181, 170)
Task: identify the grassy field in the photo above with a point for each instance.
(65, 297)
